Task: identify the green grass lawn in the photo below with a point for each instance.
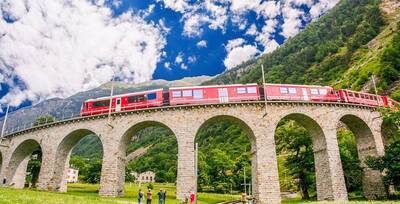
(87, 194)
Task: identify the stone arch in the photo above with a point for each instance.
(132, 130)
(232, 119)
(127, 135)
(250, 135)
(16, 171)
(366, 146)
(328, 170)
(63, 152)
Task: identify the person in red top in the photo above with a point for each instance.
(149, 196)
(192, 197)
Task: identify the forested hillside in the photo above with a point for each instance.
(344, 48)
(356, 40)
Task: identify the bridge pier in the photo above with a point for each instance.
(113, 168)
(266, 189)
(186, 177)
(328, 167)
(18, 181)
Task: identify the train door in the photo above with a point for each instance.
(223, 95)
(305, 94)
(118, 105)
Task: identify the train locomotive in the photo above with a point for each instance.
(229, 94)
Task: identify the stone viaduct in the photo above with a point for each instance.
(57, 139)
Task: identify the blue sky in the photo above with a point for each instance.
(56, 48)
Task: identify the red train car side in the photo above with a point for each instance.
(291, 92)
(131, 101)
(214, 94)
(390, 103)
(348, 96)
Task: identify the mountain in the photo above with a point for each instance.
(356, 40)
(72, 105)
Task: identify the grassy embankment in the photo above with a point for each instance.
(87, 194)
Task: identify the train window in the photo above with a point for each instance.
(292, 90)
(197, 94)
(251, 90)
(101, 103)
(176, 94)
(284, 90)
(356, 95)
(187, 93)
(314, 91)
(151, 96)
(323, 91)
(241, 90)
(138, 98)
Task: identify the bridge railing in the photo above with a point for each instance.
(27, 125)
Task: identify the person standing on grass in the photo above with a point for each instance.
(161, 197)
(4, 181)
(192, 197)
(149, 196)
(140, 196)
(165, 196)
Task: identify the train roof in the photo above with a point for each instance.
(212, 86)
(121, 95)
(298, 85)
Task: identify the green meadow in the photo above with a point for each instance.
(87, 194)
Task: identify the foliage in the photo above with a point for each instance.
(295, 142)
(160, 158)
(321, 53)
(89, 169)
(350, 162)
(33, 168)
(44, 119)
(389, 163)
(89, 147)
(150, 186)
(224, 155)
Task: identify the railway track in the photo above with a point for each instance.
(232, 202)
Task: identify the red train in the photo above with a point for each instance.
(230, 93)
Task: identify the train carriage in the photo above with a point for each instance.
(349, 96)
(388, 102)
(291, 92)
(131, 101)
(214, 94)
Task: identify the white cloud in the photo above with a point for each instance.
(192, 59)
(58, 47)
(321, 7)
(179, 58)
(252, 30)
(242, 6)
(269, 9)
(238, 52)
(177, 5)
(292, 21)
(193, 23)
(167, 65)
(184, 66)
(201, 44)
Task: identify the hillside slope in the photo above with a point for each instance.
(343, 49)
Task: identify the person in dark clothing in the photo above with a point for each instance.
(149, 196)
(4, 181)
(162, 196)
(140, 196)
